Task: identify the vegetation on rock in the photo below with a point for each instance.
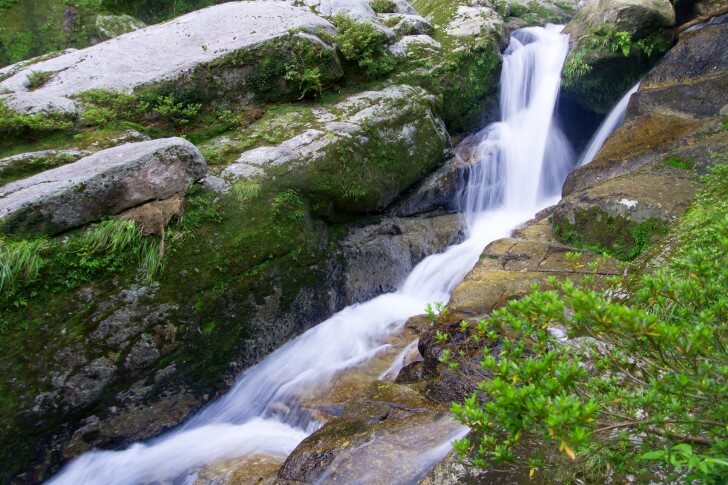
(364, 44)
(640, 388)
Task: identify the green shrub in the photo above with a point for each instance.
(383, 6)
(364, 44)
(103, 107)
(649, 390)
(37, 79)
(14, 124)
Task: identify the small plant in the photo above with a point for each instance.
(177, 113)
(308, 79)
(440, 337)
(383, 6)
(245, 190)
(435, 311)
(37, 79)
(574, 260)
(575, 68)
(363, 43)
(21, 260)
(679, 163)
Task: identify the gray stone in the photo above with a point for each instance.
(404, 46)
(401, 116)
(86, 385)
(105, 183)
(169, 51)
(142, 354)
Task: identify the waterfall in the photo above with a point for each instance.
(610, 123)
(520, 165)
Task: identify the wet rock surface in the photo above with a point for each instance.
(390, 429)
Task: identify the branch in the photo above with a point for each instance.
(664, 433)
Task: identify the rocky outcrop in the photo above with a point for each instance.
(675, 114)
(390, 250)
(366, 136)
(613, 43)
(193, 49)
(390, 429)
(102, 184)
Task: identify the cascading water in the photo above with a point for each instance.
(610, 123)
(519, 166)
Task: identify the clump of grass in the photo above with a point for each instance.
(112, 235)
(246, 190)
(37, 79)
(21, 259)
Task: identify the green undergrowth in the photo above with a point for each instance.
(365, 45)
(31, 268)
(641, 387)
(464, 79)
(596, 231)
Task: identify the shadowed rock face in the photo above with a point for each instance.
(676, 112)
(170, 51)
(608, 72)
(101, 184)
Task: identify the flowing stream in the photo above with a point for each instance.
(520, 165)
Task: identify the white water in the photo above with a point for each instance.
(610, 123)
(521, 165)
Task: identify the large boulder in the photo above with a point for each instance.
(364, 152)
(105, 183)
(213, 50)
(613, 43)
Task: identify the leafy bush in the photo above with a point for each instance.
(14, 124)
(364, 44)
(383, 6)
(37, 79)
(103, 107)
(646, 383)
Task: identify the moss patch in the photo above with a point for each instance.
(595, 230)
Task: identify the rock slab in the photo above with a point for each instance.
(105, 183)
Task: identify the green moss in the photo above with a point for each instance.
(595, 230)
(680, 163)
(359, 176)
(464, 79)
(31, 166)
(606, 62)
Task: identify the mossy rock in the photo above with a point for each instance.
(595, 230)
